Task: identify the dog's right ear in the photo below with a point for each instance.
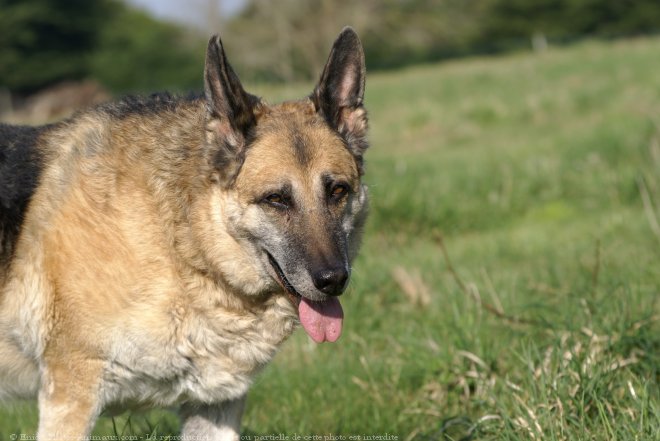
(230, 114)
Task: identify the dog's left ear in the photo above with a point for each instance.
(339, 94)
(230, 114)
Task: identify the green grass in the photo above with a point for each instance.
(539, 176)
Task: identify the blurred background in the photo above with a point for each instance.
(113, 47)
(509, 282)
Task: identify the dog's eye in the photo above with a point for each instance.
(338, 192)
(277, 200)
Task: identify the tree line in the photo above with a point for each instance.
(43, 42)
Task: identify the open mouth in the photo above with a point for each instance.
(322, 320)
(294, 296)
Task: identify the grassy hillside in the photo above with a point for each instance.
(509, 285)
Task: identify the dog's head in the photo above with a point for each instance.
(289, 197)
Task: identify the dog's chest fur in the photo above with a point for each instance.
(203, 357)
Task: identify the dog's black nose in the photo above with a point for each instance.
(331, 281)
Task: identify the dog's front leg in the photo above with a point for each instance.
(221, 421)
(69, 401)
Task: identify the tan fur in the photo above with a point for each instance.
(137, 279)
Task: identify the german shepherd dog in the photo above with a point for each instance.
(157, 251)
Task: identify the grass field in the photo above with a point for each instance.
(509, 285)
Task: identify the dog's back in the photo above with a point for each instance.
(20, 165)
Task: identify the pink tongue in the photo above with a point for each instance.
(322, 320)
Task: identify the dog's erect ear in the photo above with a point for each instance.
(340, 91)
(230, 113)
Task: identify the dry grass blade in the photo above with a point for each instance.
(437, 237)
(412, 285)
(648, 208)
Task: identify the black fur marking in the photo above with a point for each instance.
(228, 159)
(20, 169)
(147, 105)
(224, 156)
(300, 147)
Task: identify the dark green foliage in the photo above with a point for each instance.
(45, 41)
(404, 32)
(513, 22)
(137, 53)
(422, 30)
